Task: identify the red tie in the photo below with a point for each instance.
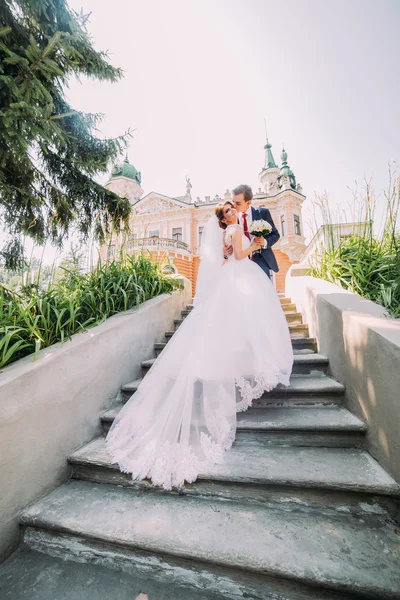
(245, 228)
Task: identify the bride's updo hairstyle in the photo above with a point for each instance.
(219, 213)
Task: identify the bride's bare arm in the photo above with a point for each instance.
(238, 252)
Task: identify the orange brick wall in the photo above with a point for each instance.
(160, 257)
(184, 267)
(196, 265)
(190, 268)
(284, 266)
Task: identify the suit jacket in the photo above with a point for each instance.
(266, 260)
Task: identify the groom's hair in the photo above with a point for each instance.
(245, 190)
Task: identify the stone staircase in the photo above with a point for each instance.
(298, 510)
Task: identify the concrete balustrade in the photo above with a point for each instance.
(50, 407)
(363, 348)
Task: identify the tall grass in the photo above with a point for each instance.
(368, 261)
(36, 319)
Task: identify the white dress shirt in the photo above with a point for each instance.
(249, 214)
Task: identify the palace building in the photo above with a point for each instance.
(170, 229)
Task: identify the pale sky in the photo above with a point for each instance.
(201, 76)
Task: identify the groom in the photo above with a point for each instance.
(241, 198)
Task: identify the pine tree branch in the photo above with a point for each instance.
(52, 118)
(48, 182)
(4, 31)
(119, 137)
(59, 192)
(48, 48)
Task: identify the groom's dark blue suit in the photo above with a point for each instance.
(266, 259)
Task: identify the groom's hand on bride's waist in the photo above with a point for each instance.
(227, 251)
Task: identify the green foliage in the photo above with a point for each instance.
(368, 262)
(366, 267)
(38, 319)
(49, 153)
(73, 262)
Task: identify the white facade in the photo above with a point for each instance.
(172, 226)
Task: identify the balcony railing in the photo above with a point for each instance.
(156, 242)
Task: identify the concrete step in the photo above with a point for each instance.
(297, 426)
(290, 312)
(293, 317)
(304, 364)
(300, 345)
(299, 338)
(303, 389)
(159, 347)
(304, 344)
(31, 575)
(289, 308)
(297, 329)
(307, 364)
(347, 480)
(259, 552)
(310, 348)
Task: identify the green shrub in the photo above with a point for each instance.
(367, 263)
(366, 267)
(36, 319)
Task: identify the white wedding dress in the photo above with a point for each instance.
(233, 346)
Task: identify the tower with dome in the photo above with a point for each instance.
(170, 228)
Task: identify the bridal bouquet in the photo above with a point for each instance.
(260, 228)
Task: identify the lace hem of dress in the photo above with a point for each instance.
(262, 383)
(170, 466)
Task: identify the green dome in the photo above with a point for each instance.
(126, 170)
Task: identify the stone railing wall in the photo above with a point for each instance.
(50, 407)
(156, 242)
(363, 347)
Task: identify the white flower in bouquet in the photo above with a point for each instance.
(260, 228)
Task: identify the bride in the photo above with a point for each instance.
(233, 346)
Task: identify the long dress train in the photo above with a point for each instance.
(229, 350)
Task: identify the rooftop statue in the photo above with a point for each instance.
(188, 186)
